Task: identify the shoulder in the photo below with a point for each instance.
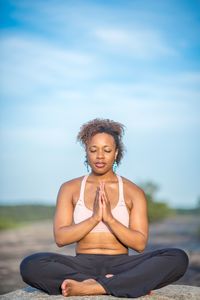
(71, 185)
(132, 189)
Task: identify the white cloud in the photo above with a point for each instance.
(65, 22)
(165, 103)
(31, 63)
(35, 136)
(137, 42)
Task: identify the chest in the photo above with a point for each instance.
(112, 191)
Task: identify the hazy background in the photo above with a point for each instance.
(64, 63)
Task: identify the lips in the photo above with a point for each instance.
(100, 165)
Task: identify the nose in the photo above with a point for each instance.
(100, 154)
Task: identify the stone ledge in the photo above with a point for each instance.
(177, 292)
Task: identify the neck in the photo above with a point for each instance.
(110, 176)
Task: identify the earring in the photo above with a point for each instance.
(115, 166)
(87, 164)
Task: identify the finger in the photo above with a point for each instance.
(97, 192)
(101, 190)
(105, 200)
(101, 186)
(104, 196)
(105, 191)
(100, 194)
(96, 200)
(100, 202)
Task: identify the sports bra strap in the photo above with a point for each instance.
(121, 193)
(83, 187)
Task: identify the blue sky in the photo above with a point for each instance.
(64, 63)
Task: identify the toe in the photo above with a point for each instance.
(63, 285)
(65, 292)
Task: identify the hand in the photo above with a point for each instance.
(97, 208)
(107, 216)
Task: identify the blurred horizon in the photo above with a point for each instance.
(64, 63)
(52, 202)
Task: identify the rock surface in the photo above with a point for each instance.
(177, 292)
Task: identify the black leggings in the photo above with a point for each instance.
(134, 275)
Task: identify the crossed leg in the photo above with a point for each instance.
(86, 274)
(133, 276)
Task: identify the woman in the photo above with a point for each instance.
(104, 214)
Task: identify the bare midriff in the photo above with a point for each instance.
(100, 243)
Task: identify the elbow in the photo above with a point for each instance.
(141, 246)
(140, 249)
(59, 240)
(59, 243)
(143, 243)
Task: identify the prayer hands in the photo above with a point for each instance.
(102, 207)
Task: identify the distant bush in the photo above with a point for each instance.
(190, 211)
(157, 210)
(16, 215)
(187, 211)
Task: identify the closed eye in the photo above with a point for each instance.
(94, 150)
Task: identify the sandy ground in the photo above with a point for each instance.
(16, 244)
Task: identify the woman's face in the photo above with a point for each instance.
(101, 153)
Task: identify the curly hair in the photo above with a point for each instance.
(115, 129)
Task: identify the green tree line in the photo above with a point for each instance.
(18, 215)
(157, 209)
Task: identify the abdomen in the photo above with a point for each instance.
(100, 243)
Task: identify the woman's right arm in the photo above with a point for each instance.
(65, 232)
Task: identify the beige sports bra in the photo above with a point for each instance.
(120, 211)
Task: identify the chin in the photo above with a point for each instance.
(100, 172)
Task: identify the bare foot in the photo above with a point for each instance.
(72, 287)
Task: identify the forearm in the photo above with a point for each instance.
(130, 238)
(73, 233)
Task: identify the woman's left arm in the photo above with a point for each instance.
(136, 236)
